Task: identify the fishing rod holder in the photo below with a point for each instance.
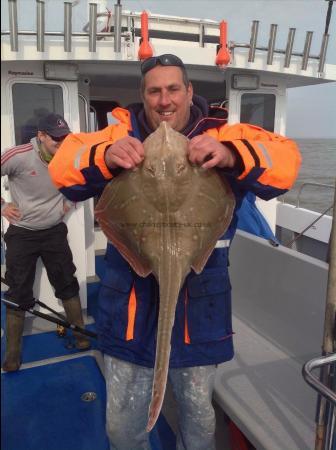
(288, 52)
(132, 30)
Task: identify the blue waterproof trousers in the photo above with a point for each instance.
(129, 389)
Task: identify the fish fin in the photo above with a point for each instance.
(120, 215)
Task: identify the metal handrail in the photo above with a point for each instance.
(86, 111)
(13, 32)
(330, 186)
(162, 18)
(313, 381)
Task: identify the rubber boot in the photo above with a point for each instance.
(73, 312)
(14, 329)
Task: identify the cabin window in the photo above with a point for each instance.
(102, 111)
(258, 109)
(30, 103)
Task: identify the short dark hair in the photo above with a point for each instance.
(163, 60)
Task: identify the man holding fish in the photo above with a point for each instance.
(179, 174)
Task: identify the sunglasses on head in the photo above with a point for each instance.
(57, 139)
(163, 60)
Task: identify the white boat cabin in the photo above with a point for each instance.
(83, 75)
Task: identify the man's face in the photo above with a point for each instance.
(49, 144)
(166, 98)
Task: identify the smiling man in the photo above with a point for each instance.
(253, 160)
(167, 97)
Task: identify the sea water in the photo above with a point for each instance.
(318, 167)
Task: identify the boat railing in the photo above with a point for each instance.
(288, 52)
(309, 183)
(208, 33)
(314, 382)
(325, 386)
(316, 217)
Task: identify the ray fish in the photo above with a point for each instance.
(165, 218)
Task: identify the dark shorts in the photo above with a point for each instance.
(24, 247)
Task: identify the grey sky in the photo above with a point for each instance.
(311, 110)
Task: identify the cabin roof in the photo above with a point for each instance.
(194, 40)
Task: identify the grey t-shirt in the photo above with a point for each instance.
(31, 189)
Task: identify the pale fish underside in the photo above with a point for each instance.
(165, 218)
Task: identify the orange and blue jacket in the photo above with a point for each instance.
(128, 304)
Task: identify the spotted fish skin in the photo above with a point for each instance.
(165, 218)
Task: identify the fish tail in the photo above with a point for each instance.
(159, 389)
(170, 284)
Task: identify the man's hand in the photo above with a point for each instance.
(11, 212)
(207, 152)
(127, 153)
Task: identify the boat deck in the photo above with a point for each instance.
(261, 389)
(279, 306)
(42, 405)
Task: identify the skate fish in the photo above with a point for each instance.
(165, 218)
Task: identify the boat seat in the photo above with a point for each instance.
(278, 306)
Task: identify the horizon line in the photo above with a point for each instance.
(311, 137)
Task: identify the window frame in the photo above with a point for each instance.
(38, 81)
(260, 93)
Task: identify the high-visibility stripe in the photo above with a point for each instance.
(223, 243)
(74, 155)
(186, 330)
(132, 306)
(278, 156)
(285, 165)
(266, 154)
(78, 156)
(260, 154)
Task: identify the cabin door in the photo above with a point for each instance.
(24, 101)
